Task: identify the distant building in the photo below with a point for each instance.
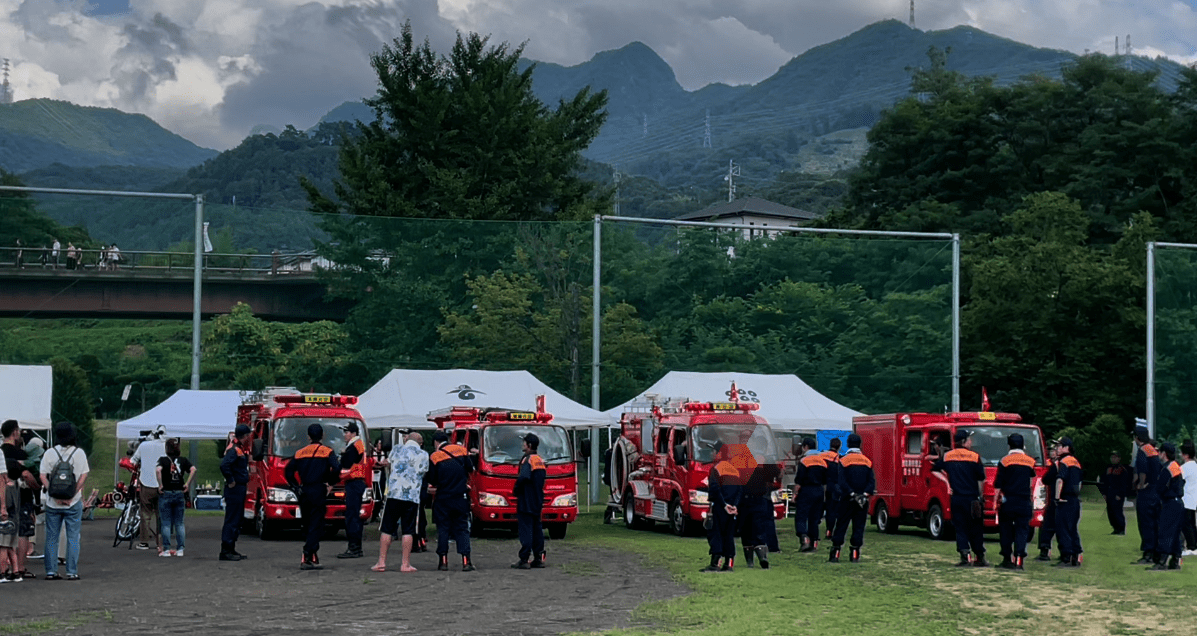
(759, 215)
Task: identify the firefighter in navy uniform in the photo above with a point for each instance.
(1068, 506)
(758, 531)
(810, 477)
(529, 495)
(831, 496)
(724, 490)
(1012, 489)
(353, 461)
(313, 470)
(966, 481)
(1115, 485)
(1047, 528)
(1170, 487)
(856, 484)
(449, 469)
(235, 468)
(1147, 501)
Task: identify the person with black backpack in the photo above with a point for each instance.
(64, 471)
(174, 476)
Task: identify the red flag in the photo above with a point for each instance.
(984, 400)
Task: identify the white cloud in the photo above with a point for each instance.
(212, 69)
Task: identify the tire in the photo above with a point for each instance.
(629, 510)
(266, 530)
(679, 524)
(937, 526)
(128, 524)
(885, 522)
(557, 530)
(476, 527)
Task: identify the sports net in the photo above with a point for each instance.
(1175, 342)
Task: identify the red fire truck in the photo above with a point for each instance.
(278, 418)
(660, 463)
(904, 446)
(497, 435)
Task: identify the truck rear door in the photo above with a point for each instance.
(915, 469)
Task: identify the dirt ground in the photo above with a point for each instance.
(123, 591)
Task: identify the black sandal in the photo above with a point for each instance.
(72, 577)
(28, 575)
(53, 577)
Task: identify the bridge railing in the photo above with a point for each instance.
(94, 260)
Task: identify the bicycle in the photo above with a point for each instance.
(128, 524)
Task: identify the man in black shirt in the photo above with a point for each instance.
(966, 482)
(1068, 506)
(313, 469)
(353, 462)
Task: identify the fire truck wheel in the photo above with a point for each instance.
(679, 523)
(629, 510)
(264, 529)
(885, 522)
(557, 530)
(476, 527)
(937, 526)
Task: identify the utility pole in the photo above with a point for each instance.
(616, 206)
(733, 171)
(1115, 46)
(706, 135)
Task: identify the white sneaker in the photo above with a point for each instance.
(178, 553)
(143, 546)
(166, 553)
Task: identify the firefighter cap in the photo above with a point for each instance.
(440, 436)
(532, 440)
(315, 432)
(1065, 441)
(1015, 440)
(350, 427)
(1142, 434)
(962, 434)
(241, 430)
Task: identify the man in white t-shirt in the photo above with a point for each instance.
(1189, 471)
(54, 251)
(68, 511)
(146, 456)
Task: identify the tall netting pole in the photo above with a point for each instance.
(1151, 338)
(197, 293)
(955, 323)
(595, 346)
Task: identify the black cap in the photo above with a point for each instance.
(1169, 449)
(854, 441)
(1065, 441)
(962, 434)
(241, 430)
(440, 436)
(532, 440)
(315, 432)
(1015, 440)
(351, 427)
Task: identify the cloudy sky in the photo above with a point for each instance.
(210, 70)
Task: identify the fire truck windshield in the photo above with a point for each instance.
(758, 438)
(990, 443)
(503, 444)
(291, 434)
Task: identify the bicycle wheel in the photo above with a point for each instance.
(128, 524)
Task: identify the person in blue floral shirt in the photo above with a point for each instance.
(408, 464)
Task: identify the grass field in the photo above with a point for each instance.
(907, 585)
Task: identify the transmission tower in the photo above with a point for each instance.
(1115, 45)
(912, 14)
(733, 171)
(706, 135)
(617, 177)
(5, 87)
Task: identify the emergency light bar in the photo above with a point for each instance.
(518, 416)
(983, 416)
(317, 398)
(712, 407)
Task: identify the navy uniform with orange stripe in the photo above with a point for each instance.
(235, 469)
(449, 471)
(1012, 487)
(724, 490)
(966, 476)
(856, 485)
(1170, 487)
(831, 496)
(353, 461)
(313, 469)
(1068, 506)
(810, 477)
(529, 502)
(1147, 501)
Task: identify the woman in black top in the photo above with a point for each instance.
(174, 475)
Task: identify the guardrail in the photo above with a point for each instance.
(100, 261)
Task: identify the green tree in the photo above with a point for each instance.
(241, 351)
(73, 400)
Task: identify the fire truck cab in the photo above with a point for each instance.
(904, 447)
(663, 456)
(278, 418)
(496, 436)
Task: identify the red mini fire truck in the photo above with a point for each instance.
(904, 446)
(278, 418)
(497, 435)
(660, 463)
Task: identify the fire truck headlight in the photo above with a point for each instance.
(491, 499)
(281, 495)
(566, 500)
(699, 497)
(1040, 500)
(777, 497)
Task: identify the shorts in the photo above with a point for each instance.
(399, 517)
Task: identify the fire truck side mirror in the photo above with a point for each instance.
(259, 450)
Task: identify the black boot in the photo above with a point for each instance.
(807, 544)
(728, 564)
(227, 553)
(466, 564)
(1045, 554)
(964, 560)
(442, 562)
(306, 562)
(1147, 559)
(762, 555)
(1007, 563)
(854, 555)
(353, 552)
(835, 554)
(1174, 563)
(1160, 565)
(1018, 563)
(980, 561)
(748, 552)
(714, 566)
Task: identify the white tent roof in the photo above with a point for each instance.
(25, 392)
(787, 403)
(189, 415)
(404, 397)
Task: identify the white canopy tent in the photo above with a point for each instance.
(188, 415)
(26, 393)
(404, 397)
(787, 403)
